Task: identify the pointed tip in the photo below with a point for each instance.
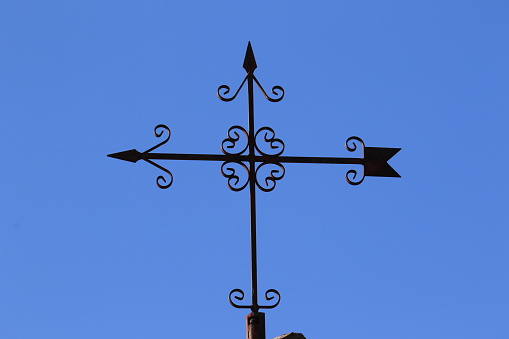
(249, 59)
(131, 155)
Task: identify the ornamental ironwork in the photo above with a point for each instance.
(258, 154)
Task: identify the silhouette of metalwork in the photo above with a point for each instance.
(252, 151)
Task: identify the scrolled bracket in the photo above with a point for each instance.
(269, 183)
(270, 137)
(351, 175)
(276, 90)
(270, 297)
(161, 181)
(351, 146)
(233, 138)
(238, 297)
(159, 131)
(233, 178)
(227, 90)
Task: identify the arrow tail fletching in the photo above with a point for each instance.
(375, 162)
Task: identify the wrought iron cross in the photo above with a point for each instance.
(253, 150)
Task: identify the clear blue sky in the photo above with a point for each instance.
(91, 248)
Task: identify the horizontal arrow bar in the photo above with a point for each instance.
(134, 156)
(374, 161)
(256, 158)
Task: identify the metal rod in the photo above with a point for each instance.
(248, 158)
(252, 192)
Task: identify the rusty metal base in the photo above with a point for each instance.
(255, 326)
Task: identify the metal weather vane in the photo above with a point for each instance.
(259, 154)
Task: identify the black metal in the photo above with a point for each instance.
(243, 150)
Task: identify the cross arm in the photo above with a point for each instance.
(375, 159)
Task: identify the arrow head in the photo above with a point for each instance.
(131, 155)
(249, 59)
(375, 162)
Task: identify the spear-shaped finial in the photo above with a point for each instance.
(249, 59)
(131, 155)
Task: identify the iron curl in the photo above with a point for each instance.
(233, 138)
(270, 180)
(161, 181)
(269, 297)
(159, 130)
(353, 174)
(276, 90)
(270, 137)
(233, 178)
(227, 90)
(351, 146)
(241, 297)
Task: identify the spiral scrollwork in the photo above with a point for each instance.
(239, 296)
(269, 183)
(276, 90)
(268, 296)
(351, 175)
(351, 146)
(231, 142)
(235, 182)
(159, 131)
(270, 137)
(161, 181)
(227, 90)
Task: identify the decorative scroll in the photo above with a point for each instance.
(235, 182)
(351, 146)
(269, 297)
(227, 90)
(270, 137)
(269, 183)
(161, 181)
(278, 88)
(158, 132)
(238, 297)
(278, 91)
(233, 138)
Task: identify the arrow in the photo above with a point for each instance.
(374, 161)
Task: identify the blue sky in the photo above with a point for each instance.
(91, 248)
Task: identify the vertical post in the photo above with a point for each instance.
(252, 196)
(255, 321)
(255, 326)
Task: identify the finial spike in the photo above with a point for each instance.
(131, 155)
(249, 60)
